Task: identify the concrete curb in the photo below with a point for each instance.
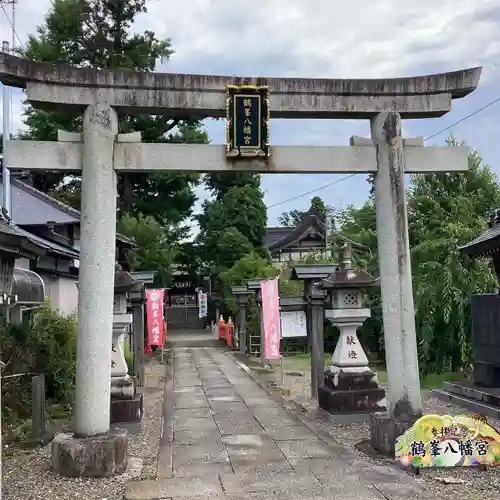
(164, 464)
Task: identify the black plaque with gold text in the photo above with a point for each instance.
(247, 121)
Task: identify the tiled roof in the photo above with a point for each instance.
(31, 207)
(486, 243)
(275, 234)
(51, 246)
(284, 238)
(16, 242)
(281, 237)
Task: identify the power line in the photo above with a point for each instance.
(494, 101)
(312, 191)
(11, 21)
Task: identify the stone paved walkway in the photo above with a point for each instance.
(225, 437)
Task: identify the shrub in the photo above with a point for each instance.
(46, 344)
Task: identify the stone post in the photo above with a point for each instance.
(242, 293)
(404, 397)
(315, 314)
(315, 298)
(137, 300)
(253, 286)
(97, 268)
(242, 328)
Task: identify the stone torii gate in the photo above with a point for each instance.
(100, 152)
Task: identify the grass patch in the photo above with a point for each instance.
(302, 361)
(430, 381)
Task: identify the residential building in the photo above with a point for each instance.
(54, 226)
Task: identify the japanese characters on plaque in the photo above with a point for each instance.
(446, 441)
(154, 316)
(247, 117)
(293, 324)
(202, 305)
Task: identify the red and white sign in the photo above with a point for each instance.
(154, 316)
(271, 318)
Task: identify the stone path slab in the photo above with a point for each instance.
(226, 437)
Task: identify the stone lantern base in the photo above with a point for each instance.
(127, 406)
(348, 392)
(97, 456)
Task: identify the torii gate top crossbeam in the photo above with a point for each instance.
(177, 95)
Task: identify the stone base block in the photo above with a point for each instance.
(385, 430)
(486, 375)
(349, 381)
(98, 456)
(123, 387)
(354, 401)
(127, 410)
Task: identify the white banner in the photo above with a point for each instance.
(293, 324)
(202, 305)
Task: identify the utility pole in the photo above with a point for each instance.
(6, 101)
(7, 106)
(7, 110)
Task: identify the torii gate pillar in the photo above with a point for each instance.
(404, 396)
(97, 258)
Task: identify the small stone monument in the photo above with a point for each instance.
(126, 402)
(349, 384)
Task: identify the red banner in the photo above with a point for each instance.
(271, 318)
(154, 316)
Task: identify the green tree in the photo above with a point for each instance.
(233, 223)
(97, 34)
(248, 267)
(295, 216)
(221, 182)
(157, 245)
(445, 211)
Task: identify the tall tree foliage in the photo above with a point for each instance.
(156, 251)
(318, 207)
(233, 223)
(445, 211)
(97, 34)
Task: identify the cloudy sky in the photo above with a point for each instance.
(323, 38)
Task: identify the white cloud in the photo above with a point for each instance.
(322, 38)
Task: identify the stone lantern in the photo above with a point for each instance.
(126, 402)
(349, 384)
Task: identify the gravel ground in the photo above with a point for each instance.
(471, 484)
(27, 474)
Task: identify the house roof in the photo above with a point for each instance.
(487, 242)
(283, 237)
(31, 207)
(13, 241)
(51, 246)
